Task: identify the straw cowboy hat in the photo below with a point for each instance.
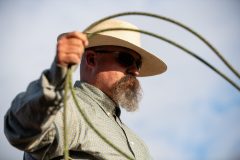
(151, 65)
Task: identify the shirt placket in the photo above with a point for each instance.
(129, 143)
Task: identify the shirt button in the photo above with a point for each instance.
(131, 142)
(108, 113)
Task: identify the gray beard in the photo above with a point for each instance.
(127, 93)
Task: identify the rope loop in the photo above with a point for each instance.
(68, 80)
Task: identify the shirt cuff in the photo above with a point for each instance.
(57, 74)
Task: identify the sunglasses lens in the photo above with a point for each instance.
(128, 60)
(125, 59)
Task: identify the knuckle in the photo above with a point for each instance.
(84, 36)
(75, 41)
(60, 48)
(74, 32)
(61, 36)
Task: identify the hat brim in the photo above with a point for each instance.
(151, 65)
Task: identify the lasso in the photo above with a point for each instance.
(68, 80)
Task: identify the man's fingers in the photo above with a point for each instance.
(67, 59)
(71, 42)
(70, 47)
(74, 35)
(61, 36)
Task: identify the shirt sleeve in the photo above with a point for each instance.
(28, 124)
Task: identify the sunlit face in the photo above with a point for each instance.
(114, 64)
(109, 70)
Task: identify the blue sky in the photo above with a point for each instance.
(187, 113)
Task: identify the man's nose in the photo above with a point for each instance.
(133, 70)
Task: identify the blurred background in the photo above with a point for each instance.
(187, 113)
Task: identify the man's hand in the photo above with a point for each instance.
(70, 48)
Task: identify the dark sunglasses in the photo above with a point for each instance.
(124, 58)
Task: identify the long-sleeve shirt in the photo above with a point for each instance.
(34, 122)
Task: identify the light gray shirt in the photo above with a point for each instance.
(34, 123)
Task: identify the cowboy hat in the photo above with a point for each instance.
(151, 65)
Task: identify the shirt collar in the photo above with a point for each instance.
(101, 98)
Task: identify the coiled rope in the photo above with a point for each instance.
(218, 54)
(68, 80)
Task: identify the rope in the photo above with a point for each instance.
(68, 80)
(65, 130)
(174, 44)
(218, 54)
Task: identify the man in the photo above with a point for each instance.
(110, 62)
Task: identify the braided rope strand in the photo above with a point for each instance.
(65, 130)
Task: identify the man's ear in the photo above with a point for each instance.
(90, 57)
